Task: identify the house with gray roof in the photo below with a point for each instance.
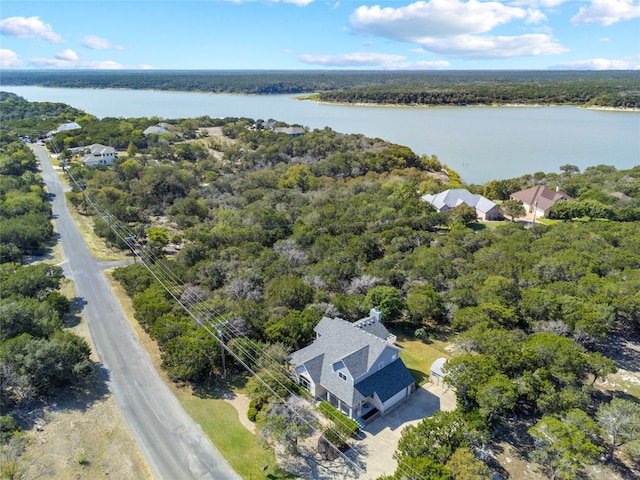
(155, 130)
(98, 154)
(355, 366)
(449, 199)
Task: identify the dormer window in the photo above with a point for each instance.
(342, 376)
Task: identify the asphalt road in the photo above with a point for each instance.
(174, 446)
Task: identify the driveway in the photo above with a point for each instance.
(382, 435)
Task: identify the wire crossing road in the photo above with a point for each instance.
(174, 446)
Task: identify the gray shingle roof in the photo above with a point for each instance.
(458, 196)
(386, 382)
(345, 344)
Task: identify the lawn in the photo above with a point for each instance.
(418, 355)
(219, 421)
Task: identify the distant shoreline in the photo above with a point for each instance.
(490, 105)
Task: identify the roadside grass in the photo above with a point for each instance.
(217, 418)
(418, 355)
(96, 245)
(241, 448)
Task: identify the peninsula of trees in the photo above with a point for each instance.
(604, 89)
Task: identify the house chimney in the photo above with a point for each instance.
(557, 188)
(375, 313)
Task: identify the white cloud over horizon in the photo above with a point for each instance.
(597, 64)
(67, 55)
(473, 46)
(64, 63)
(9, 59)
(370, 59)
(607, 12)
(29, 27)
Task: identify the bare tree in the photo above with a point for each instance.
(286, 424)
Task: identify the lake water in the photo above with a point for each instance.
(480, 143)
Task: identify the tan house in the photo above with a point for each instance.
(539, 199)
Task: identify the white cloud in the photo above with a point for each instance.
(535, 16)
(435, 18)
(472, 46)
(67, 55)
(31, 27)
(67, 61)
(97, 43)
(369, 59)
(540, 3)
(598, 64)
(9, 59)
(607, 12)
(455, 27)
(359, 59)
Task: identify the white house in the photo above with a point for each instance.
(354, 366)
(449, 199)
(155, 129)
(98, 154)
(63, 127)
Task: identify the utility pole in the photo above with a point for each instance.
(221, 340)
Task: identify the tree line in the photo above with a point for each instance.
(619, 89)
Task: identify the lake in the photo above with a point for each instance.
(480, 143)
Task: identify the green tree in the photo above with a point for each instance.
(463, 214)
(464, 465)
(513, 208)
(388, 300)
(294, 329)
(497, 397)
(562, 448)
(424, 304)
(288, 291)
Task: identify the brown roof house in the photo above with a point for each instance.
(539, 199)
(354, 366)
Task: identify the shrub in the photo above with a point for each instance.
(342, 426)
(252, 413)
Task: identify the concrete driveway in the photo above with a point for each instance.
(382, 435)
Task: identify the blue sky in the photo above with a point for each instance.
(316, 34)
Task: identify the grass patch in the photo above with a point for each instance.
(418, 355)
(219, 421)
(96, 245)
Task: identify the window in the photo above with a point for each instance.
(342, 376)
(305, 383)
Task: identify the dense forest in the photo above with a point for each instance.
(616, 89)
(268, 233)
(38, 356)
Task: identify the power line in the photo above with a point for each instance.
(205, 316)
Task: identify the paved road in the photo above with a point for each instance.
(174, 446)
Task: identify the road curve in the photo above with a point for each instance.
(173, 445)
